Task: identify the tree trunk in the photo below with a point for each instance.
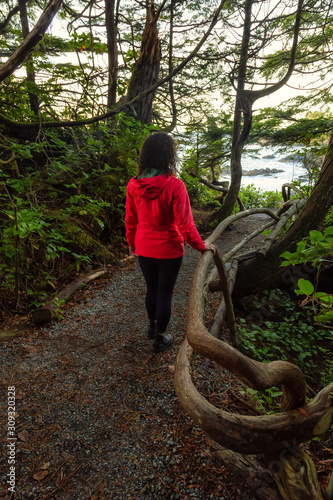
(171, 92)
(5, 22)
(294, 473)
(247, 468)
(239, 137)
(111, 30)
(34, 104)
(259, 273)
(146, 69)
(243, 106)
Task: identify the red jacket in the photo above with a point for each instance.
(159, 217)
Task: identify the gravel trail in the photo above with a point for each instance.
(97, 416)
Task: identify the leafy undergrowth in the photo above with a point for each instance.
(271, 326)
(275, 327)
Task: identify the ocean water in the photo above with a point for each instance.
(255, 159)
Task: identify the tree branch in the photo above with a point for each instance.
(121, 107)
(253, 95)
(30, 42)
(5, 23)
(216, 188)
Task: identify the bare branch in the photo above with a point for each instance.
(5, 23)
(121, 107)
(30, 42)
(253, 95)
(216, 188)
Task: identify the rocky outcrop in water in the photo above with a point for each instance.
(263, 171)
(294, 157)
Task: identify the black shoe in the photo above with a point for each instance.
(151, 334)
(162, 341)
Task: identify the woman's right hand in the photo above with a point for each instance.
(209, 246)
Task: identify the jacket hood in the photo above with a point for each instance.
(150, 187)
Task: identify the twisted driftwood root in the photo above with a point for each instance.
(275, 436)
(251, 434)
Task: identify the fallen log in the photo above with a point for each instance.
(91, 245)
(224, 281)
(8, 335)
(211, 280)
(50, 310)
(279, 225)
(221, 310)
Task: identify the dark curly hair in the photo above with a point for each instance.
(158, 151)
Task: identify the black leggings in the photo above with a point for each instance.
(160, 276)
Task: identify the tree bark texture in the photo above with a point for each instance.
(111, 31)
(259, 482)
(227, 297)
(294, 473)
(146, 69)
(216, 327)
(250, 434)
(171, 92)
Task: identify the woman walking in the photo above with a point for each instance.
(158, 219)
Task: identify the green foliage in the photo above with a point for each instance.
(31, 243)
(78, 178)
(283, 126)
(265, 401)
(199, 194)
(208, 149)
(253, 197)
(292, 339)
(316, 249)
(87, 42)
(329, 218)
